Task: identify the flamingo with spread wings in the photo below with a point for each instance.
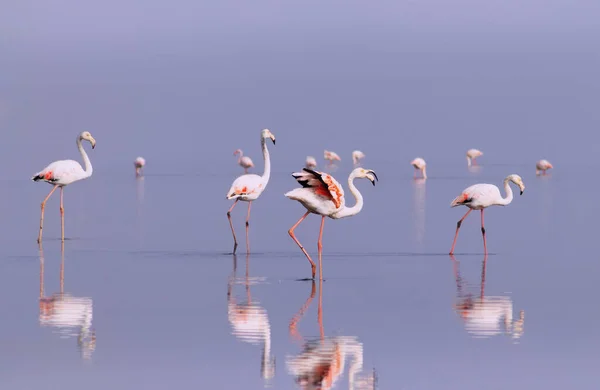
(321, 194)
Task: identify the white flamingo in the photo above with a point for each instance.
(480, 196)
(248, 187)
(63, 172)
(311, 162)
(139, 164)
(244, 161)
(357, 155)
(542, 166)
(419, 165)
(331, 156)
(321, 194)
(472, 154)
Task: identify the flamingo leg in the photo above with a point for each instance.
(320, 248)
(320, 311)
(39, 240)
(62, 216)
(235, 244)
(291, 233)
(248, 228)
(483, 233)
(457, 229)
(294, 322)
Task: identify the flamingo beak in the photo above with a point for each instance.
(93, 142)
(375, 178)
(273, 139)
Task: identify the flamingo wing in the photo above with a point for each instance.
(322, 184)
(477, 195)
(60, 172)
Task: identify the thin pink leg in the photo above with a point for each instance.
(483, 233)
(291, 233)
(320, 310)
(235, 244)
(248, 229)
(483, 267)
(457, 229)
(62, 216)
(320, 248)
(294, 322)
(39, 240)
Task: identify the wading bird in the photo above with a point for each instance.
(321, 194)
(248, 188)
(419, 165)
(542, 166)
(480, 196)
(139, 164)
(244, 161)
(311, 162)
(472, 154)
(357, 155)
(63, 172)
(331, 157)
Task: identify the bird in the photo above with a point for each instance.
(248, 187)
(472, 154)
(481, 196)
(542, 166)
(139, 166)
(311, 162)
(419, 165)
(63, 172)
(244, 161)
(331, 156)
(321, 194)
(357, 155)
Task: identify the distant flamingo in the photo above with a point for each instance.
(419, 165)
(63, 172)
(542, 166)
(357, 155)
(244, 161)
(480, 196)
(139, 166)
(472, 154)
(331, 157)
(248, 188)
(311, 162)
(321, 194)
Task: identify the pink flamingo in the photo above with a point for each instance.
(472, 154)
(481, 196)
(244, 161)
(357, 155)
(321, 194)
(311, 162)
(331, 157)
(139, 163)
(419, 165)
(543, 166)
(248, 187)
(63, 172)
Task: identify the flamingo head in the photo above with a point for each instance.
(88, 137)
(266, 133)
(550, 166)
(238, 151)
(366, 173)
(517, 180)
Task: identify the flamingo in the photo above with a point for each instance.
(331, 156)
(481, 196)
(357, 155)
(139, 166)
(248, 187)
(63, 172)
(543, 166)
(321, 194)
(311, 162)
(472, 154)
(244, 161)
(419, 165)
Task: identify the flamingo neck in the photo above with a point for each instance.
(267, 173)
(468, 161)
(350, 211)
(240, 155)
(509, 194)
(86, 160)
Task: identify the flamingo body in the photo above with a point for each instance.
(542, 166)
(472, 154)
(357, 155)
(311, 162)
(331, 156)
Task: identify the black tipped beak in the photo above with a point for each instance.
(94, 145)
(273, 141)
(521, 192)
(375, 176)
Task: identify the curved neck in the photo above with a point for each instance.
(350, 211)
(86, 160)
(267, 173)
(509, 194)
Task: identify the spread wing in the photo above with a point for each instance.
(322, 184)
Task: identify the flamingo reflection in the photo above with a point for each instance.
(250, 322)
(485, 316)
(321, 364)
(70, 316)
(418, 209)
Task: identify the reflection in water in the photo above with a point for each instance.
(474, 168)
(418, 209)
(321, 364)
(70, 316)
(484, 316)
(250, 322)
(139, 208)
